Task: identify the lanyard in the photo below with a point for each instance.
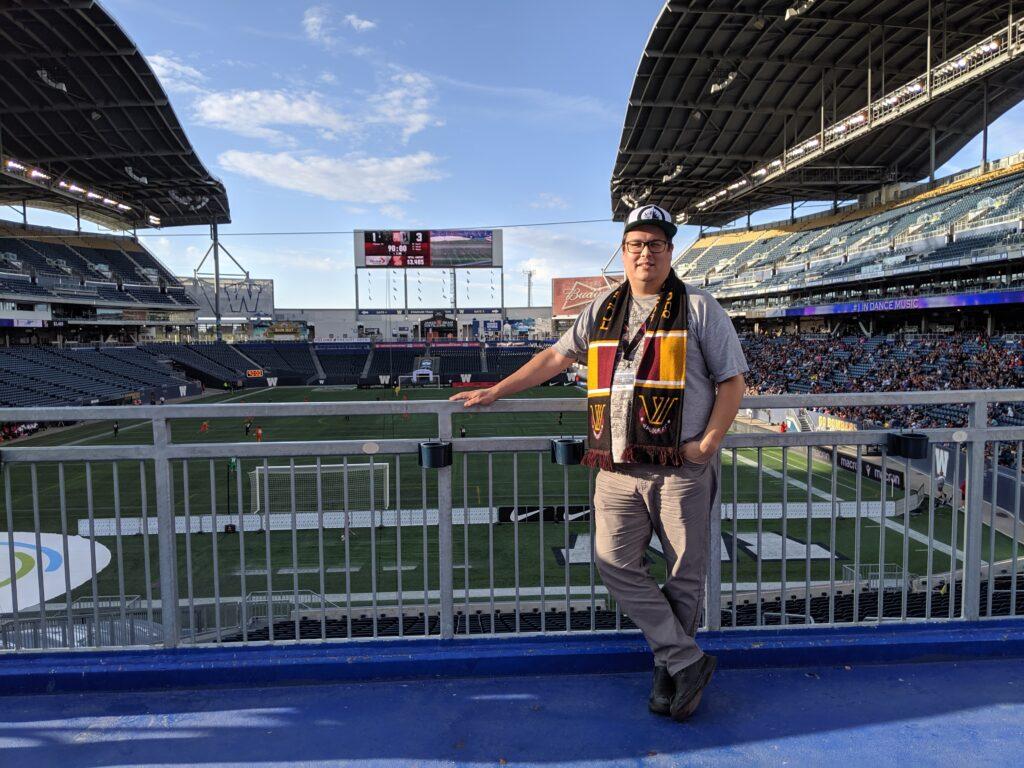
(627, 351)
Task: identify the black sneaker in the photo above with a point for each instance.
(662, 689)
(690, 682)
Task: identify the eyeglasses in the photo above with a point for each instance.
(637, 246)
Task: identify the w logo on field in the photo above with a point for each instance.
(466, 377)
(384, 378)
(272, 381)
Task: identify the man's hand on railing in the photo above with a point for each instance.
(475, 397)
(540, 368)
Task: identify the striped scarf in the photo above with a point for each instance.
(654, 422)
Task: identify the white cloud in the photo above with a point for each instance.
(393, 212)
(328, 78)
(407, 103)
(353, 178)
(550, 201)
(316, 24)
(359, 25)
(551, 253)
(255, 113)
(176, 76)
(320, 25)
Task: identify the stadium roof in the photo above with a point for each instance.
(726, 85)
(80, 105)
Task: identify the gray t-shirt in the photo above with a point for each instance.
(713, 354)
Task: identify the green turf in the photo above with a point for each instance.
(479, 480)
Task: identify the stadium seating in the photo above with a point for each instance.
(982, 214)
(456, 361)
(68, 264)
(82, 376)
(394, 361)
(504, 361)
(201, 366)
(290, 362)
(814, 609)
(343, 363)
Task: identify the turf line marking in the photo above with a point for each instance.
(890, 524)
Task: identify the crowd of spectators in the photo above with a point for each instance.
(12, 431)
(821, 364)
(898, 363)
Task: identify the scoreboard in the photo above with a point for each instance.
(396, 248)
(428, 248)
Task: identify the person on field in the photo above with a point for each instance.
(664, 383)
(259, 434)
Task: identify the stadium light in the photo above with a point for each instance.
(154, 220)
(44, 75)
(721, 85)
(798, 9)
(135, 176)
(41, 178)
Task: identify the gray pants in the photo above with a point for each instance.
(674, 503)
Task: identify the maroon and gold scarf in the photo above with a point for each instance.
(655, 415)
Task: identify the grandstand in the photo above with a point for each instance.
(85, 288)
(962, 233)
(342, 363)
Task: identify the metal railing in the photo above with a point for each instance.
(803, 524)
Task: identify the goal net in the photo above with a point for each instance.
(366, 489)
(425, 379)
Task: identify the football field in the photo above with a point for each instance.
(511, 530)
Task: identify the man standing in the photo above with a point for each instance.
(664, 383)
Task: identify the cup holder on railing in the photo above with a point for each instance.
(566, 450)
(909, 445)
(435, 454)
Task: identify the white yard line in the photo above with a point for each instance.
(890, 524)
(146, 423)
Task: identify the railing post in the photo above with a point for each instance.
(166, 535)
(713, 601)
(444, 533)
(970, 595)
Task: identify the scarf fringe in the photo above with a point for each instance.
(598, 459)
(650, 454)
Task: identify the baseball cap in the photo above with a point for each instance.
(651, 215)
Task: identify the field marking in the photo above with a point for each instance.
(822, 470)
(922, 539)
(890, 524)
(108, 432)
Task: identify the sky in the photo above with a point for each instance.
(349, 114)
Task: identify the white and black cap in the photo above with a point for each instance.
(651, 215)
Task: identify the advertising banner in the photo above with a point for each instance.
(569, 295)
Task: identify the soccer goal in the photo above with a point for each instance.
(366, 490)
(423, 379)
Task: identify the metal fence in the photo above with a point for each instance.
(171, 542)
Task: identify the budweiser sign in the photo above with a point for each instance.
(569, 295)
